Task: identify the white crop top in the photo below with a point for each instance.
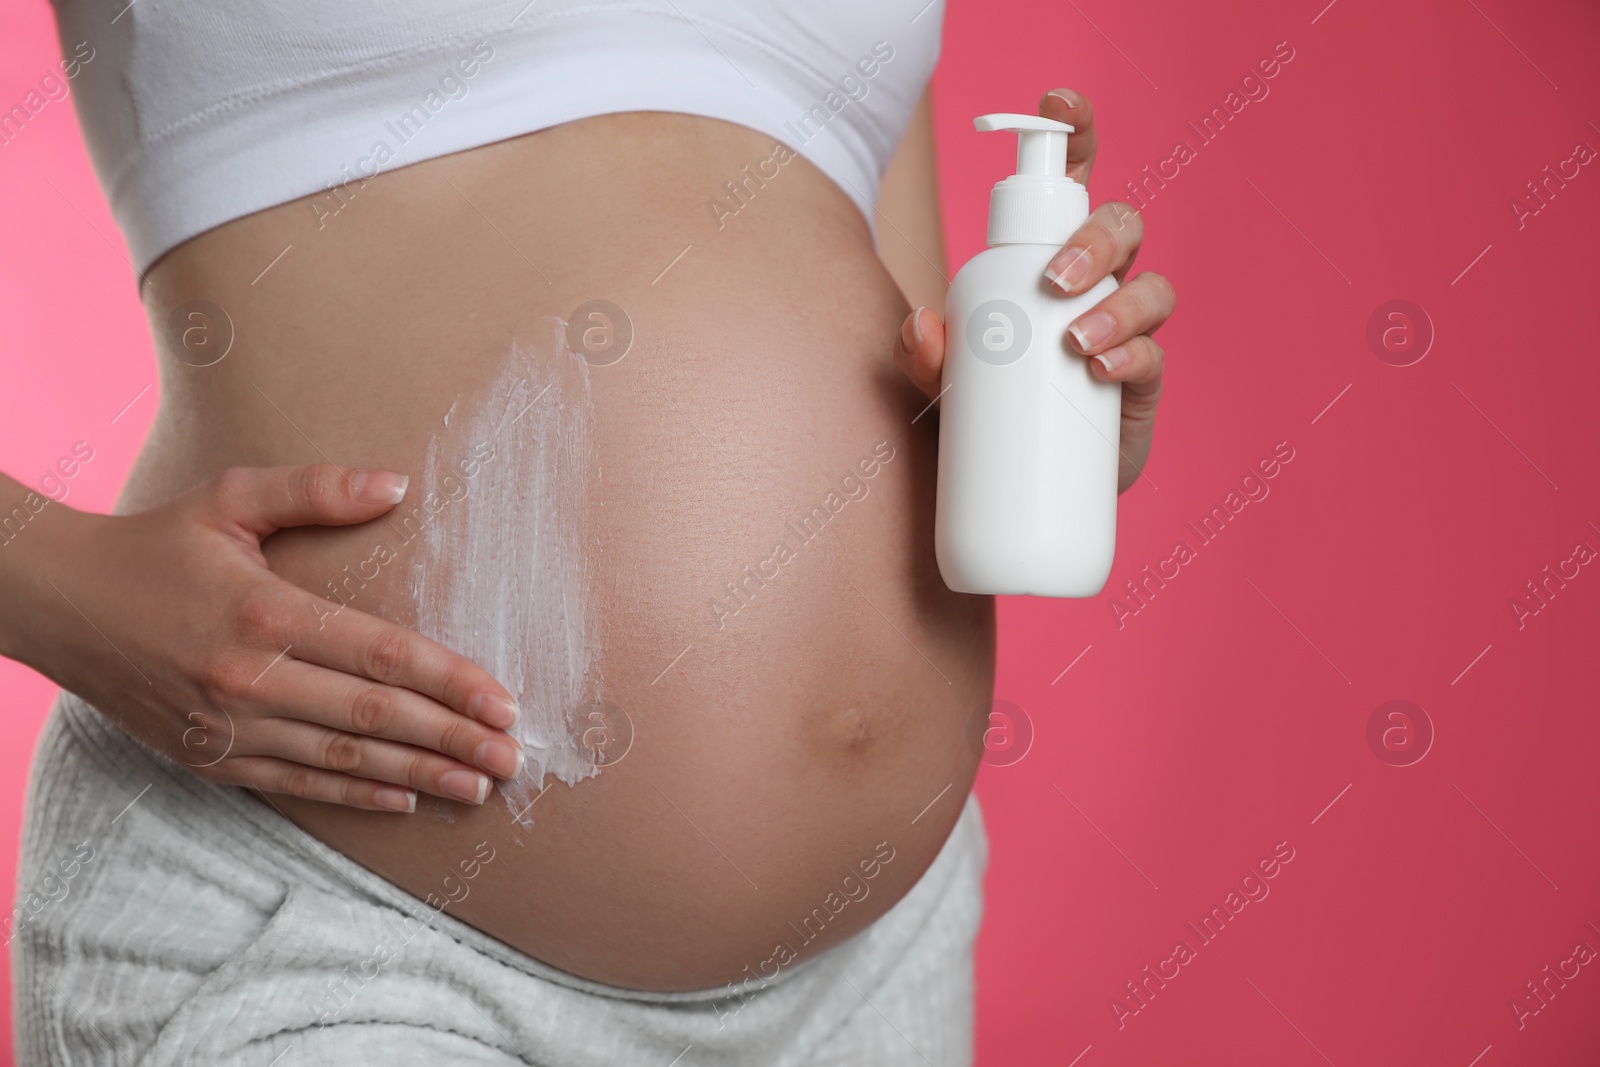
(196, 113)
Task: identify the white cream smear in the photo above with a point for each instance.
(504, 579)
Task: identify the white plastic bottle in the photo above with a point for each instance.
(1028, 438)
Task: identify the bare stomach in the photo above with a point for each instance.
(705, 568)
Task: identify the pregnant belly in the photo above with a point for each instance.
(666, 486)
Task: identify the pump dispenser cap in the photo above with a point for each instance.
(1038, 204)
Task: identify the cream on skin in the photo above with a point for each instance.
(504, 579)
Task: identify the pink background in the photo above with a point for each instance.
(1231, 712)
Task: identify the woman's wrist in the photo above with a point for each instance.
(35, 533)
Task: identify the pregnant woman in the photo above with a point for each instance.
(519, 640)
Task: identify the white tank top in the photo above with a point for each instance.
(196, 113)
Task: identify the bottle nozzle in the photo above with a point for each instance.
(1038, 204)
(1041, 142)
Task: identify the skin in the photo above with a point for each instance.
(360, 689)
(831, 719)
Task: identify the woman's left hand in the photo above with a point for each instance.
(1116, 333)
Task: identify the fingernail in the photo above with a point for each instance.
(1069, 267)
(1063, 97)
(494, 710)
(465, 785)
(378, 487)
(911, 331)
(1093, 329)
(503, 759)
(395, 799)
(1112, 358)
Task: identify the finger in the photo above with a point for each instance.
(262, 500)
(1072, 107)
(316, 695)
(1137, 364)
(368, 758)
(1137, 308)
(1105, 244)
(357, 643)
(919, 352)
(342, 702)
(268, 775)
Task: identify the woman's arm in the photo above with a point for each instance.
(910, 233)
(171, 624)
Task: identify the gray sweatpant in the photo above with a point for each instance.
(162, 919)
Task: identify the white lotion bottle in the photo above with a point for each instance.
(1028, 438)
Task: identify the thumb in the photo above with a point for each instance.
(919, 352)
(262, 500)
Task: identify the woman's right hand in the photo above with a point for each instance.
(171, 624)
